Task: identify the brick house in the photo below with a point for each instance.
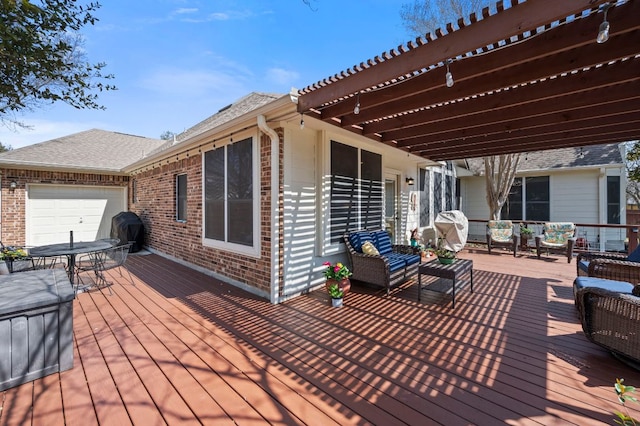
(256, 194)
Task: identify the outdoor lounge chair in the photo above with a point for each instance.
(610, 319)
(386, 265)
(500, 234)
(557, 236)
(610, 265)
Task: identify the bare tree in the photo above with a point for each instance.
(499, 173)
(632, 164)
(423, 16)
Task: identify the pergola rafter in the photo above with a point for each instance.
(515, 90)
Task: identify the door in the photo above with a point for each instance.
(391, 214)
(54, 210)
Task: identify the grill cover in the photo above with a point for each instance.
(453, 227)
(127, 227)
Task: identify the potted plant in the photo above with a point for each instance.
(446, 257)
(337, 274)
(336, 294)
(10, 255)
(525, 234)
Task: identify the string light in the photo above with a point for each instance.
(356, 109)
(603, 30)
(301, 121)
(581, 153)
(448, 77)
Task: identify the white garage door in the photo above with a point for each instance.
(54, 210)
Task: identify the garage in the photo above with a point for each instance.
(54, 210)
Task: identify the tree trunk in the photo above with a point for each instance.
(499, 173)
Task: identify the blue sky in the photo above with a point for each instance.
(177, 62)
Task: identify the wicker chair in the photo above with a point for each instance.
(500, 233)
(557, 236)
(610, 319)
(392, 266)
(613, 266)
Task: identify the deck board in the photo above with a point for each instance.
(180, 347)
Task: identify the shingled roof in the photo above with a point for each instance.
(588, 156)
(92, 150)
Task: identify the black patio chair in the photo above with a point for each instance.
(100, 261)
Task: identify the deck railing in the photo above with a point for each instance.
(591, 236)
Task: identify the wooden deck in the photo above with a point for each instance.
(180, 347)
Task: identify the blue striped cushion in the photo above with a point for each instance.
(411, 259)
(382, 242)
(357, 239)
(584, 266)
(396, 261)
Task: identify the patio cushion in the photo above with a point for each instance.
(611, 285)
(501, 230)
(358, 238)
(396, 261)
(382, 242)
(584, 266)
(634, 256)
(556, 234)
(369, 248)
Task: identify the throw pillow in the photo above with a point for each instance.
(369, 248)
(635, 255)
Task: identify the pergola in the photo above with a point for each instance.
(527, 77)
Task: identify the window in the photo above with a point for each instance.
(181, 198)
(357, 190)
(229, 195)
(537, 198)
(613, 199)
(425, 190)
(134, 191)
(512, 208)
(529, 196)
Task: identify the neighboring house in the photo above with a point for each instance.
(248, 195)
(71, 183)
(581, 185)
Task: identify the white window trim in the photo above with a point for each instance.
(255, 249)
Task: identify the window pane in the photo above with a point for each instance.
(537, 198)
(448, 192)
(214, 194)
(425, 219)
(371, 190)
(512, 208)
(613, 199)
(437, 192)
(181, 197)
(240, 192)
(344, 190)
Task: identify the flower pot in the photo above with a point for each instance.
(4, 268)
(336, 303)
(446, 260)
(344, 284)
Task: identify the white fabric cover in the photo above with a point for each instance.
(453, 227)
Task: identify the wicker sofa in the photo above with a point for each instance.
(610, 319)
(613, 266)
(386, 266)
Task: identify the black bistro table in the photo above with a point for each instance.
(71, 250)
(452, 272)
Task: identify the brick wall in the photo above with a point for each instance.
(156, 207)
(13, 211)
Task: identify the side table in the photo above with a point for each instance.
(452, 272)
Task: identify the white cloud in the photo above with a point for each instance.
(281, 76)
(185, 11)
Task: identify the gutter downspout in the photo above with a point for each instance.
(275, 197)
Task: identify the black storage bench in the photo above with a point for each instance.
(36, 325)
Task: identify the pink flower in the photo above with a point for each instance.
(327, 263)
(336, 269)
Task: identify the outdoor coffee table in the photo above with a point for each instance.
(452, 272)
